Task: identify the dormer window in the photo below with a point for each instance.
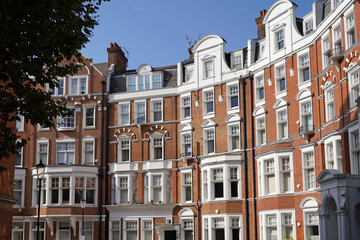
(279, 39)
(237, 61)
(144, 81)
(309, 26)
(188, 72)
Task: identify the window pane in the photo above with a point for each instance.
(219, 190)
(234, 101)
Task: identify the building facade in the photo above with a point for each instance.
(223, 145)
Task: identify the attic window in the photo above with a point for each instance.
(237, 61)
(309, 26)
(279, 38)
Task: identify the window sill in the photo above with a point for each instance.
(43, 129)
(186, 120)
(305, 84)
(65, 129)
(233, 110)
(89, 128)
(209, 115)
(281, 94)
(259, 102)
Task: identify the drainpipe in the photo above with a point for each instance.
(101, 158)
(245, 162)
(107, 170)
(198, 202)
(253, 155)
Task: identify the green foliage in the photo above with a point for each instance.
(39, 41)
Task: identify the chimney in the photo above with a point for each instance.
(191, 53)
(116, 56)
(260, 25)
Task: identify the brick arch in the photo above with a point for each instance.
(351, 56)
(127, 131)
(157, 129)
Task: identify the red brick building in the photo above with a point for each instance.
(224, 145)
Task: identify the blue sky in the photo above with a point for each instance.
(154, 31)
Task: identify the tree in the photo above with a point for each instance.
(39, 41)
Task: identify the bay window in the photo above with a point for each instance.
(130, 230)
(234, 182)
(217, 183)
(147, 230)
(277, 224)
(63, 230)
(218, 230)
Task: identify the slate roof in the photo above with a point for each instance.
(118, 79)
(102, 67)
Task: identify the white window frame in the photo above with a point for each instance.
(333, 160)
(126, 105)
(326, 50)
(136, 112)
(308, 25)
(206, 100)
(85, 188)
(280, 75)
(282, 131)
(354, 147)
(260, 128)
(306, 212)
(217, 179)
(259, 87)
(354, 88)
(21, 190)
(148, 81)
(121, 139)
(184, 106)
(66, 140)
(22, 230)
(278, 40)
(85, 107)
(208, 73)
(235, 63)
(208, 225)
(207, 137)
(115, 226)
(302, 66)
(144, 228)
(187, 224)
(78, 78)
(20, 124)
(305, 114)
(164, 186)
(336, 40)
(21, 153)
(189, 70)
(279, 223)
(33, 229)
(55, 92)
(84, 150)
(185, 184)
(350, 27)
(329, 95)
(153, 110)
(58, 229)
(125, 229)
(232, 134)
(304, 155)
(59, 120)
(232, 90)
(153, 140)
(185, 136)
(278, 172)
(40, 142)
(232, 179)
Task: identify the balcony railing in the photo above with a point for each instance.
(337, 53)
(306, 129)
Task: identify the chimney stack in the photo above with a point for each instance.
(191, 53)
(260, 25)
(117, 57)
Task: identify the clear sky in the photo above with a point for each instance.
(154, 31)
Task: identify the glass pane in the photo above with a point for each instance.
(157, 195)
(219, 190)
(234, 101)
